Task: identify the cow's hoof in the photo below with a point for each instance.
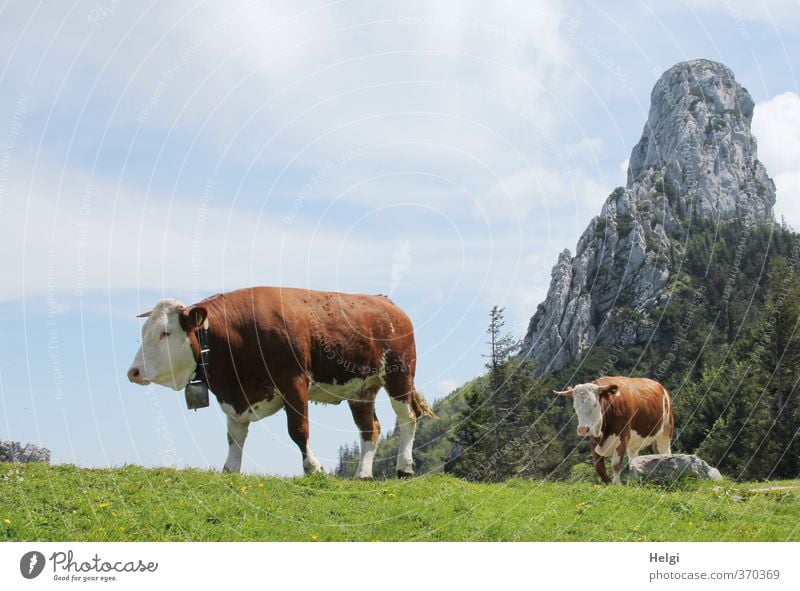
(311, 466)
(405, 474)
(365, 478)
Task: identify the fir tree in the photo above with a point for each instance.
(505, 430)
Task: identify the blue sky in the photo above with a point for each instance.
(444, 154)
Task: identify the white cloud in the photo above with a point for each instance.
(444, 387)
(776, 125)
(100, 236)
(449, 99)
(541, 191)
(587, 149)
(243, 76)
(775, 11)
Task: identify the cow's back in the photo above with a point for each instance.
(357, 335)
(335, 336)
(642, 402)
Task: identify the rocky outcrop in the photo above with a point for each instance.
(697, 140)
(13, 451)
(667, 469)
(696, 161)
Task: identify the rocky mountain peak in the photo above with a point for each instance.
(696, 161)
(697, 136)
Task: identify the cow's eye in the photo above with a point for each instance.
(163, 335)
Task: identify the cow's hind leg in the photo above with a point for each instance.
(370, 428)
(400, 387)
(664, 444)
(237, 433)
(295, 397)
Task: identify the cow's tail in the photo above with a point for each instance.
(420, 406)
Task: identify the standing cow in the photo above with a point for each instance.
(274, 348)
(622, 414)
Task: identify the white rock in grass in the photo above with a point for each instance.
(666, 468)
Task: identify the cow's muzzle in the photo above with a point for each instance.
(135, 376)
(583, 431)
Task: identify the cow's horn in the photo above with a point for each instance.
(145, 314)
(567, 392)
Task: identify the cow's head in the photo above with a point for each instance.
(587, 399)
(166, 356)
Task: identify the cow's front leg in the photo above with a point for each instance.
(598, 460)
(295, 397)
(616, 460)
(237, 433)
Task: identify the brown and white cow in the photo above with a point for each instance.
(279, 348)
(622, 415)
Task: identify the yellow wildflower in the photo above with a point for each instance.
(7, 521)
(314, 537)
(103, 505)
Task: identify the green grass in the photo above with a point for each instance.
(67, 503)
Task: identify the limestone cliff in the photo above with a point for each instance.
(696, 161)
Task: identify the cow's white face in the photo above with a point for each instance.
(586, 401)
(166, 355)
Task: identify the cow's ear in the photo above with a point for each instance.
(608, 391)
(193, 317)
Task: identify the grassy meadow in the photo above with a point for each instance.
(68, 503)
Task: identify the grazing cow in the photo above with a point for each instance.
(271, 348)
(622, 414)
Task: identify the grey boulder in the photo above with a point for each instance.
(668, 468)
(13, 451)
